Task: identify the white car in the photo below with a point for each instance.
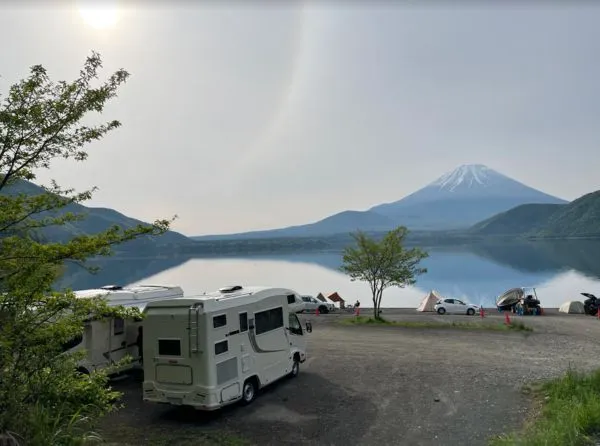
(311, 304)
(455, 306)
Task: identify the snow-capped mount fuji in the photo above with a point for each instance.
(460, 198)
(468, 175)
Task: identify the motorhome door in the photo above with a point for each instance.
(297, 336)
(117, 345)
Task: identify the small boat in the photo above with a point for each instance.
(510, 297)
(514, 296)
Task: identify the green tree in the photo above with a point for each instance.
(43, 400)
(382, 263)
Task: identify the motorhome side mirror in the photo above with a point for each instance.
(308, 327)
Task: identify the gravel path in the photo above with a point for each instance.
(383, 385)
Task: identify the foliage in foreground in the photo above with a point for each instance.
(382, 263)
(362, 320)
(43, 400)
(570, 413)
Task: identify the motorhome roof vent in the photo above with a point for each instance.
(230, 289)
(111, 287)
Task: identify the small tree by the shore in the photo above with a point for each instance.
(382, 263)
(43, 399)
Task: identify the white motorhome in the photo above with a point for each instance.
(108, 341)
(212, 350)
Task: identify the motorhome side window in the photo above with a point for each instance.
(118, 326)
(268, 320)
(243, 322)
(221, 347)
(219, 321)
(295, 326)
(291, 299)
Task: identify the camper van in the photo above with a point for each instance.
(108, 341)
(219, 348)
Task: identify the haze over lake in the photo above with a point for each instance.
(476, 273)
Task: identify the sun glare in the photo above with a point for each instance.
(99, 14)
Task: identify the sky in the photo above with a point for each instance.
(246, 116)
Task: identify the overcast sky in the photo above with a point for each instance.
(251, 118)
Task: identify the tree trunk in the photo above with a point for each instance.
(378, 303)
(375, 310)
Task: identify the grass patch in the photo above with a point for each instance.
(132, 435)
(363, 320)
(569, 414)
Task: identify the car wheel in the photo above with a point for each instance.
(470, 312)
(249, 391)
(441, 310)
(323, 310)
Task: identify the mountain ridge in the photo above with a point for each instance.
(456, 200)
(97, 219)
(579, 218)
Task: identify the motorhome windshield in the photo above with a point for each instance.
(72, 343)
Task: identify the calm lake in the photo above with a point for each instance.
(475, 273)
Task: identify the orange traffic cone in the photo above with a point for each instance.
(506, 318)
(317, 312)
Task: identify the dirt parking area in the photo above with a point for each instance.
(388, 385)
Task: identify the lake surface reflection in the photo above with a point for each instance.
(475, 273)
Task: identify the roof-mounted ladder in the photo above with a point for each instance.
(193, 322)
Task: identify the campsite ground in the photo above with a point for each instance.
(385, 384)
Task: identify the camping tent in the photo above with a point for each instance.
(321, 297)
(337, 299)
(429, 301)
(573, 307)
(333, 298)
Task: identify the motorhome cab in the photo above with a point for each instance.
(222, 347)
(110, 340)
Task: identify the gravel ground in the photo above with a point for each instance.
(367, 385)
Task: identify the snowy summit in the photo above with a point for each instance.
(467, 175)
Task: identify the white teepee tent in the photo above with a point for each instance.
(429, 301)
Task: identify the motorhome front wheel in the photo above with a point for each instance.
(295, 369)
(249, 391)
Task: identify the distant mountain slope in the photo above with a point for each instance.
(580, 218)
(97, 220)
(343, 222)
(457, 200)
(519, 220)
